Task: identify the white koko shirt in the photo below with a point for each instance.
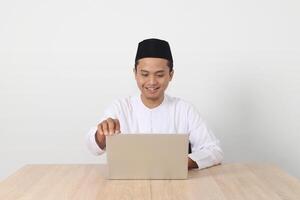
(173, 115)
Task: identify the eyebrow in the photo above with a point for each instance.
(157, 72)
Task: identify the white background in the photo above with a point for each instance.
(62, 62)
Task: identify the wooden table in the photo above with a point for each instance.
(227, 181)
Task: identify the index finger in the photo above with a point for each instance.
(117, 126)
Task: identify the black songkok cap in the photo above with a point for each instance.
(154, 48)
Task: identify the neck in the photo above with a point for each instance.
(152, 103)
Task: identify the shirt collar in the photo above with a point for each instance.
(142, 105)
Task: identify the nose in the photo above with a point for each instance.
(152, 80)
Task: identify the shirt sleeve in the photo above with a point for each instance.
(206, 150)
(91, 143)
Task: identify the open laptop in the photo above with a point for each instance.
(147, 156)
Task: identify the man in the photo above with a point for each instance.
(155, 112)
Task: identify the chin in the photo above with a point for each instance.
(152, 97)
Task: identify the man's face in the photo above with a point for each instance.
(153, 76)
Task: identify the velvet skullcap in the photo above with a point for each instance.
(154, 48)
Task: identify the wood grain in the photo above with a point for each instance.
(223, 182)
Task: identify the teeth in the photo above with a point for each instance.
(151, 89)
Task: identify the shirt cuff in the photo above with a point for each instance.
(92, 144)
(206, 158)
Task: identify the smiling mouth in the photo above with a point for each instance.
(152, 89)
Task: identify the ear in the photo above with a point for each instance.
(171, 75)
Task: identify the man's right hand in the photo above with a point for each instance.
(107, 127)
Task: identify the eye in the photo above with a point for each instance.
(145, 75)
(160, 75)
